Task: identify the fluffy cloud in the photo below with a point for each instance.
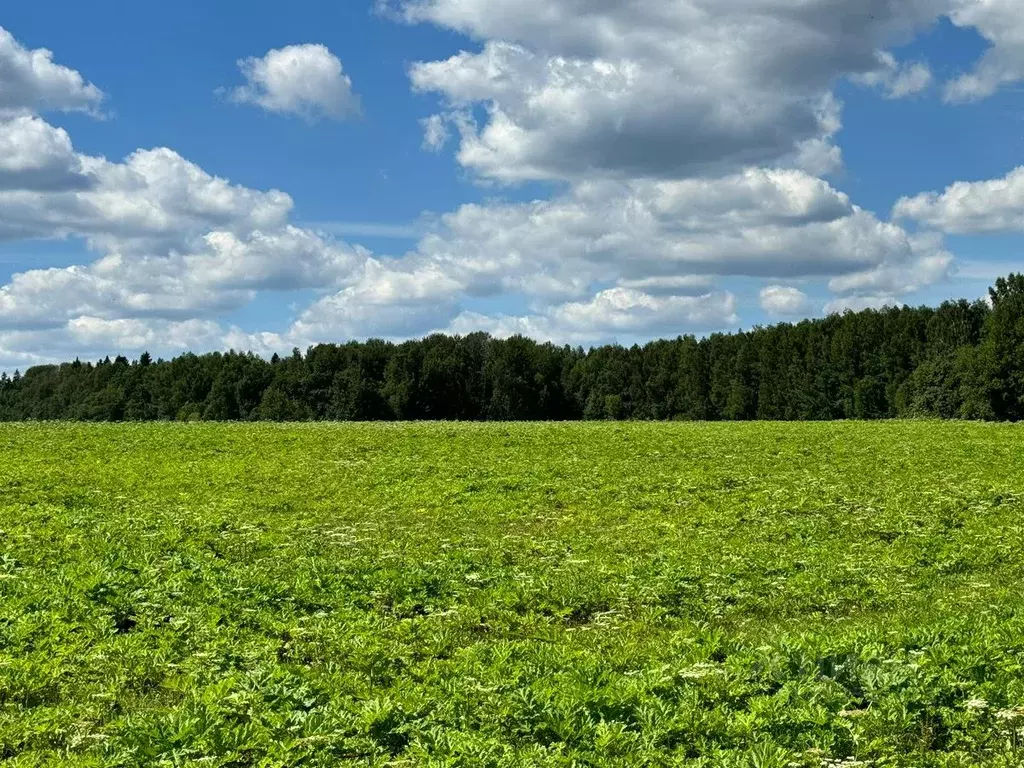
(1002, 24)
(398, 305)
(759, 223)
(92, 338)
(154, 200)
(133, 334)
(882, 286)
(675, 89)
(36, 157)
(897, 79)
(925, 263)
(660, 245)
(435, 132)
(304, 80)
(783, 301)
(32, 81)
(211, 247)
(970, 207)
(109, 289)
(173, 242)
(628, 311)
(389, 300)
(223, 272)
(691, 138)
(175, 245)
(620, 315)
(653, 87)
(557, 118)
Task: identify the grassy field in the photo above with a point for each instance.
(512, 595)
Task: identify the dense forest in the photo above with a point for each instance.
(961, 360)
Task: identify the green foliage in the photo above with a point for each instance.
(1003, 346)
(962, 360)
(512, 595)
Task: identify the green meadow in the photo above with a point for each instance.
(589, 594)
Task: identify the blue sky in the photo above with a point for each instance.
(611, 173)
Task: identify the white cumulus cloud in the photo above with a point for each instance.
(435, 132)
(897, 80)
(783, 300)
(35, 156)
(1001, 22)
(654, 87)
(305, 80)
(991, 206)
(616, 315)
(660, 245)
(32, 81)
(688, 139)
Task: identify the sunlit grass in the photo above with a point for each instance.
(512, 595)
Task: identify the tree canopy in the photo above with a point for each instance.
(960, 360)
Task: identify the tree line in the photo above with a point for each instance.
(961, 360)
